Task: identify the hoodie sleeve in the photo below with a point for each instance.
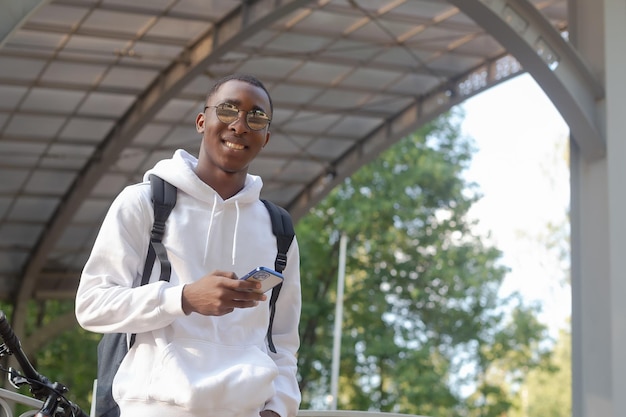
(106, 301)
(285, 334)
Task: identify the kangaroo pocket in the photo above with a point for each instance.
(197, 375)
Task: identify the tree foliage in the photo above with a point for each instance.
(422, 318)
(547, 391)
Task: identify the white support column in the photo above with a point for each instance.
(614, 35)
(591, 365)
(598, 29)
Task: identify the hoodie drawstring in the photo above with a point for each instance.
(208, 235)
(235, 233)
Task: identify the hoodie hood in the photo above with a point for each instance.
(180, 171)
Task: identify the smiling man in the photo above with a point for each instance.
(200, 348)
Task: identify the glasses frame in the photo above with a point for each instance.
(248, 114)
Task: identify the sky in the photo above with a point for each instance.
(522, 172)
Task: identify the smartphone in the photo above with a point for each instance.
(266, 276)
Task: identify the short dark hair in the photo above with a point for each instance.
(246, 78)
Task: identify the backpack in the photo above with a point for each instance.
(113, 346)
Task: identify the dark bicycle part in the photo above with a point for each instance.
(51, 393)
(15, 347)
(16, 379)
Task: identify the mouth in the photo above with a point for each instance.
(234, 146)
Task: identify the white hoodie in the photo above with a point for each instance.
(192, 365)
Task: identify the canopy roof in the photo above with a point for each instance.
(94, 92)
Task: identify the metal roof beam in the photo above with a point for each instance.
(550, 59)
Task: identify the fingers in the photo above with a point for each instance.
(226, 274)
(237, 284)
(226, 306)
(220, 293)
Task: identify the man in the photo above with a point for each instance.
(200, 347)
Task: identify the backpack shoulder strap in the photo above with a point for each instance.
(282, 227)
(163, 201)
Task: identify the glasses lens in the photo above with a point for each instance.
(257, 120)
(226, 114)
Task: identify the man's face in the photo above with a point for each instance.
(230, 147)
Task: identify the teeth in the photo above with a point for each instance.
(234, 146)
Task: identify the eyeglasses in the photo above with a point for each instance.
(228, 113)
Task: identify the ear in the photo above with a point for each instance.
(267, 138)
(200, 119)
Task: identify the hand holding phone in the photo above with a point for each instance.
(266, 276)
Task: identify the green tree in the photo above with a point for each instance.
(547, 392)
(422, 316)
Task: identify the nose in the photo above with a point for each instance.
(240, 124)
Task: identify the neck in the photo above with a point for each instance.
(224, 183)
